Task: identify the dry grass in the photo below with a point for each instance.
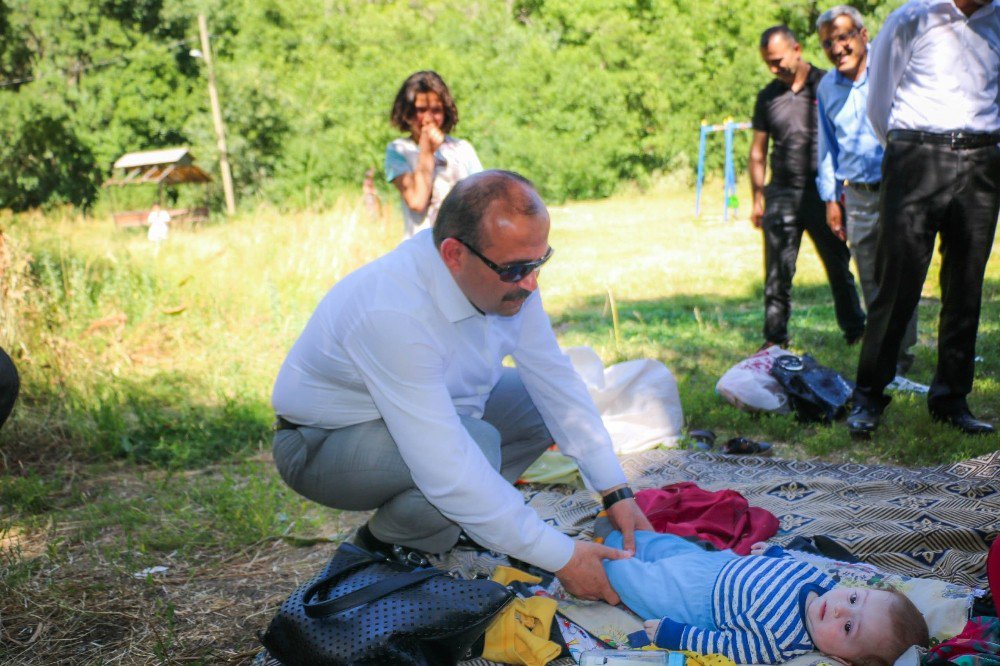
(77, 602)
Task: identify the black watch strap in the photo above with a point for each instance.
(616, 496)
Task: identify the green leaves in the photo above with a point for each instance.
(42, 159)
(580, 95)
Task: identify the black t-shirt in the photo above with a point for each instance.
(790, 119)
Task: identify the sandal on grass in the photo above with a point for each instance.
(701, 440)
(744, 446)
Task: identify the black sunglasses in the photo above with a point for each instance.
(514, 272)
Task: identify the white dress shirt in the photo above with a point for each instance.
(935, 69)
(398, 340)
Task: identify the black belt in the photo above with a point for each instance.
(284, 424)
(867, 187)
(951, 139)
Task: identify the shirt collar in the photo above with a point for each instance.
(441, 285)
(804, 593)
(976, 15)
(842, 80)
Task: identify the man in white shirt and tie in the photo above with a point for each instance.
(935, 102)
(395, 397)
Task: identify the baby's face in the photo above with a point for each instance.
(848, 622)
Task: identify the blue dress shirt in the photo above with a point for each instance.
(847, 147)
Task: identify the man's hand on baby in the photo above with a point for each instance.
(759, 548)
(584, 577)
(626, 516)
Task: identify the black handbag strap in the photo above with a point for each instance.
(373, 592)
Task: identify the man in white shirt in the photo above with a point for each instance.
(935, 101)
(395, 398)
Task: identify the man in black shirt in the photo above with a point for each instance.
(785, 114)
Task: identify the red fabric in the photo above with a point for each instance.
(723, 518)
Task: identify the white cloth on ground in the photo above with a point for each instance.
(638, 400)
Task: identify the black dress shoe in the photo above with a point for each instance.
(402, 554)
(862, 421)
(964, 421)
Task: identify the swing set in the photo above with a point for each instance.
(728, 128)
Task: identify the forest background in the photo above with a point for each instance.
(579, 95)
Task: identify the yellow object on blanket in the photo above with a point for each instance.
(520, 635)
(507, 575)
(696, 658)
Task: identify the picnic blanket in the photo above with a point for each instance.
(932, 522)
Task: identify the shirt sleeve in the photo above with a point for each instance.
(826, 151)
(887, 60)
(471, 159)
(562, 399)
(395, 163)
(405, 377)
(759, 120)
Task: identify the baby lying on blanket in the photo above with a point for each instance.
(763, 608)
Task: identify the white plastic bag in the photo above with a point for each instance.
(750, 386)
(638, 400)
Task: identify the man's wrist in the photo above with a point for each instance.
(616, 496)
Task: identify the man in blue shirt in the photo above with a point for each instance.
(849, 154)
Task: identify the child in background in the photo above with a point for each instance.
(764, 608)
(425, 165)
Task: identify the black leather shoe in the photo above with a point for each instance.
(964, 421)
(862, 421)
(365, 539)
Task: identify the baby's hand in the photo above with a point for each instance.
(651, 626)
(758, 548)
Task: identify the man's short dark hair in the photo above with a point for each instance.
(425, 81)
(783, 30)
(462, 211)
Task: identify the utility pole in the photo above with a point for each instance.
(220, 130)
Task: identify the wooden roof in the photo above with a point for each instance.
(169, 166)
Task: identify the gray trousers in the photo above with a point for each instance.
(861, 217)
(359, 468)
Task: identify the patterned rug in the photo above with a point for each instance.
(933, 522)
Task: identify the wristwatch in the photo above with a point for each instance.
(616, 496)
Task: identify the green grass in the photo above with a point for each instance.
(142, 430)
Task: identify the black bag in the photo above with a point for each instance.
(816, 392)
(365, 609)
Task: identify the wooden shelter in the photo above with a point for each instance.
(168, 167)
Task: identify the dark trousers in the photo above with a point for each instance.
(929, 190)
(787, 213)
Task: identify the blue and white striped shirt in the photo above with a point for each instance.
(758, 608)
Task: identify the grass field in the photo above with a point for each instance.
(141, 438)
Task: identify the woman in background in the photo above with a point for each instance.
(426, 165)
